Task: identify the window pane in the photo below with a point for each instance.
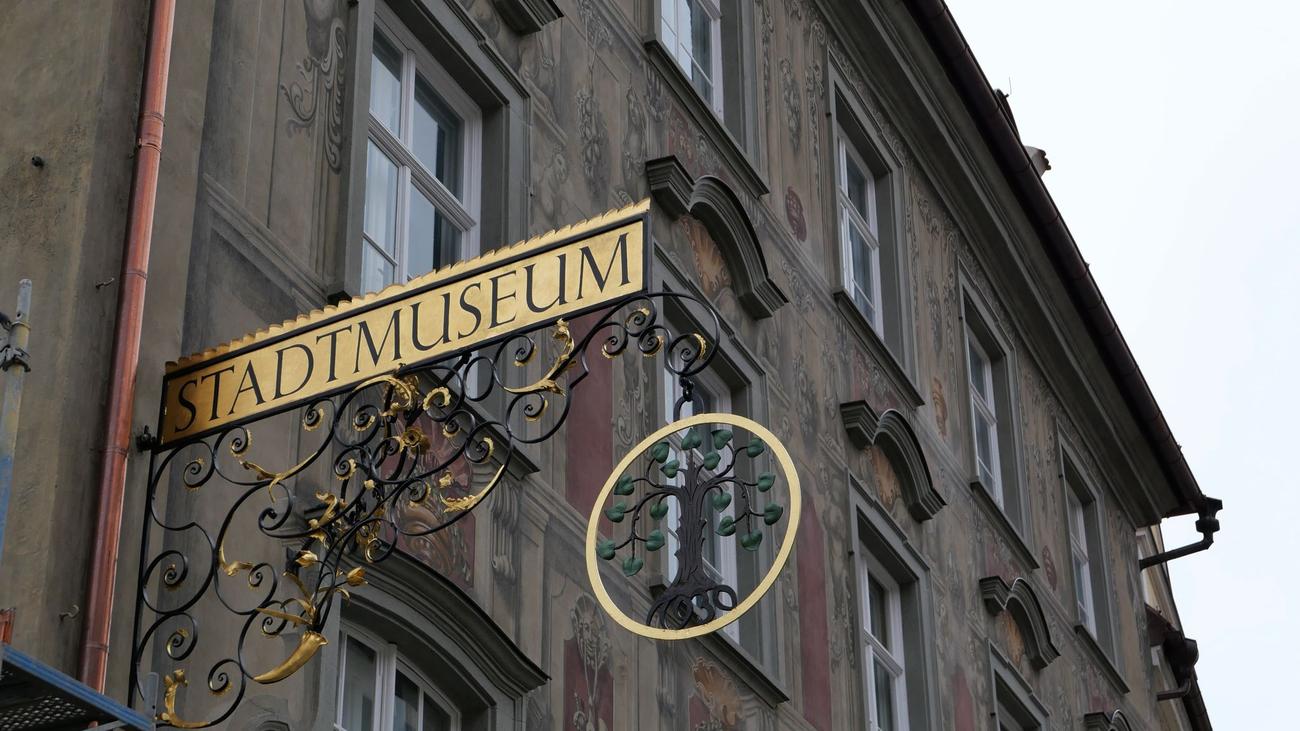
(437, 136)
(857, 190)
(376, 271)
(983, 439)
(380, 222)
(877, 598)
(979, 372)
(386, 84)
(435, 719)
(863, 276)
(358, 702)
(432, 240)
(406, 705)
(702, 50)
(884, 691)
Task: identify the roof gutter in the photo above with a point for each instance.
(999, 132)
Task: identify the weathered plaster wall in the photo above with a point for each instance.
(69, 96)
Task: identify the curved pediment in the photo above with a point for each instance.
(1021, 601)
(892, 433)
(712, 202)
(1116, 721)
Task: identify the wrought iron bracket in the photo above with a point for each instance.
(261, 551)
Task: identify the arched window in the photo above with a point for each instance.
(381, 690)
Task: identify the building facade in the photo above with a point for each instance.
(982, 473)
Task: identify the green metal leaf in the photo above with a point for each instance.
(670, 468)
(624, 486)
(605, 548)
(659, 452)
(721, 437)
(772, 513)
(751, 541)
(655, 540)
(765, 481)
(632, 564)
(721, 500)
(692, 439)
(711, 460)
(727, 526)
(756, 447)
(659, 509)
(616, 512)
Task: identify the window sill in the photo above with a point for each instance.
(1003, 524)
(734, 157)
(751, 673)
(867, 335)
(734, 657)
(1101, 658)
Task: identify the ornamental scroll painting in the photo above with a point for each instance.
(267, 506)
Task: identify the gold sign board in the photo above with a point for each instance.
(561, 273)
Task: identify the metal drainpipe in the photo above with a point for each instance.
(15, 365)
(1207, 525)
(126, 348)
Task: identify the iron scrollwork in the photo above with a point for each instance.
(438, 436)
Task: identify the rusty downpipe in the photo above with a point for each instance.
(126, 348)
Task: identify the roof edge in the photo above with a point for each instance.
(948, 43)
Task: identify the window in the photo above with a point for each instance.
(984, 420)
(895, 622)
(1080, 563)
(692, 31)
(993, 462)
(1015, 706)
(380, 691)
(709, 395)
(882, 652)
(707, 41)
(1083, 520)
(868, 180)
(859, 232)
(422, 163)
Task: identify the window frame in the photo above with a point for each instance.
(1014, 704)
(895, 659)
(879, 542)
(851, 218)
(1099, 625)
(463, 212)
(1009, 498)
(985, 406)
(680, 46)
(888, 333)
(388, 661)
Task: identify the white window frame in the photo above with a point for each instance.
(727, 570)
(980, 407)
(388, 660)
(874, 648)
(871, 305)
(675, 31)
(462, 211)
(1081, 559)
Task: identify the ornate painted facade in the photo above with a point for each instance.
(583, 110)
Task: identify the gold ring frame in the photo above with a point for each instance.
(782, 554)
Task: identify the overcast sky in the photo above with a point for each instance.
(1172, 132)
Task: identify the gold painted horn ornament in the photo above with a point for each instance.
(308, 644)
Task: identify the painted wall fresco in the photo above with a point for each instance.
(598, 109)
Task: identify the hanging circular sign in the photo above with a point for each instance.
(692, 480)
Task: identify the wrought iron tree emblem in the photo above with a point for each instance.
(690, 479)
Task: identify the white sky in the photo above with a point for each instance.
(1172, 132)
